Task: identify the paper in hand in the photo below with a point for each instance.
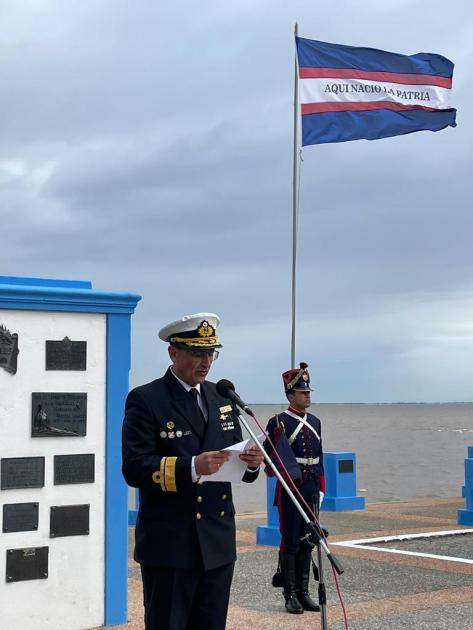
(234, 468)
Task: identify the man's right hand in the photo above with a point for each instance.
(209, 462)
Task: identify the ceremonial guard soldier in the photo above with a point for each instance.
(174, 431)
(302, 431)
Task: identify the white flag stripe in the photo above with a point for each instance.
(346, 90)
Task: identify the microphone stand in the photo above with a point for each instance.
(312, 533)
(321, 590)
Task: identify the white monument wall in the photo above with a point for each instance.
(72, 596)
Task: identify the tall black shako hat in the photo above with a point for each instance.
(297, 379)
(193, 331)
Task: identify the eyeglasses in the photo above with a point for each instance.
(203, 354)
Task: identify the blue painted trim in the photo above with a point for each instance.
(50, 297)
(45, 282)
(116, 494)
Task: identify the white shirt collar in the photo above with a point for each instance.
(185, 385)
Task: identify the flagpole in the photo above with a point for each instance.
(294, 211)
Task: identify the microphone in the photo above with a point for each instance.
(226, 389)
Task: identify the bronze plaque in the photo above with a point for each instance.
(58, 414)
(69, 520)
(74, 469)
(20, 517)
(8, 350)
(22, 472)
(27, 564)
(66, 355)
(345, 466)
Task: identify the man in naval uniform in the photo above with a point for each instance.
(303, 433)
(173, 433)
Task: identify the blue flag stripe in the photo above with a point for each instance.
(326, 127)
(315, 54)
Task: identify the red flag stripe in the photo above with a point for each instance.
(386, 77)
(349, 106)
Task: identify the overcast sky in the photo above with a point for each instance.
(147, 146)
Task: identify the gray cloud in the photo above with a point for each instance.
(150, 149)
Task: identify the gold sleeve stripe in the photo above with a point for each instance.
(158, 476)
(170, 474)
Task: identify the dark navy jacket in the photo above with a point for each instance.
(180, 523)
(306, 445)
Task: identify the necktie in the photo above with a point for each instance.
(195, 395)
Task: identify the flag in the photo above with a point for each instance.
(349, 93)
(289, 468)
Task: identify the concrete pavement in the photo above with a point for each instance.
(419, 583)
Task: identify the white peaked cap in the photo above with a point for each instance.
(197, 330)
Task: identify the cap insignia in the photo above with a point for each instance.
(205, 329)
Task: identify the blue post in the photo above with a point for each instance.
(116, 495)
(470, 456)
(340, 476)
(465, 517)
(133, 514)
(269, 534)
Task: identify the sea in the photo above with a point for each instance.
(403, 450)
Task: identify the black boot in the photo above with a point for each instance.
(288, 567)
(303, 562)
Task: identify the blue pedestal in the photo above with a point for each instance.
(465, 517)
(340, 476)
(269, 534)
(470, 456)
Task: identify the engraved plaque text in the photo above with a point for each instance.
(74, 469)
(22, 472)
(27, 564)
(69, 520)
(20, 517)
(66, 355)
(58, 414)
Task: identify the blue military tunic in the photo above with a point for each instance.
(304, 436)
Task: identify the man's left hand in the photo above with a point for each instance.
(252, 456)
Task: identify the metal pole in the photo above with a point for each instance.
(321, 588)
(294, 210)
(322, 591)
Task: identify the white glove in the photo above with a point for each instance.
(321, 498)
